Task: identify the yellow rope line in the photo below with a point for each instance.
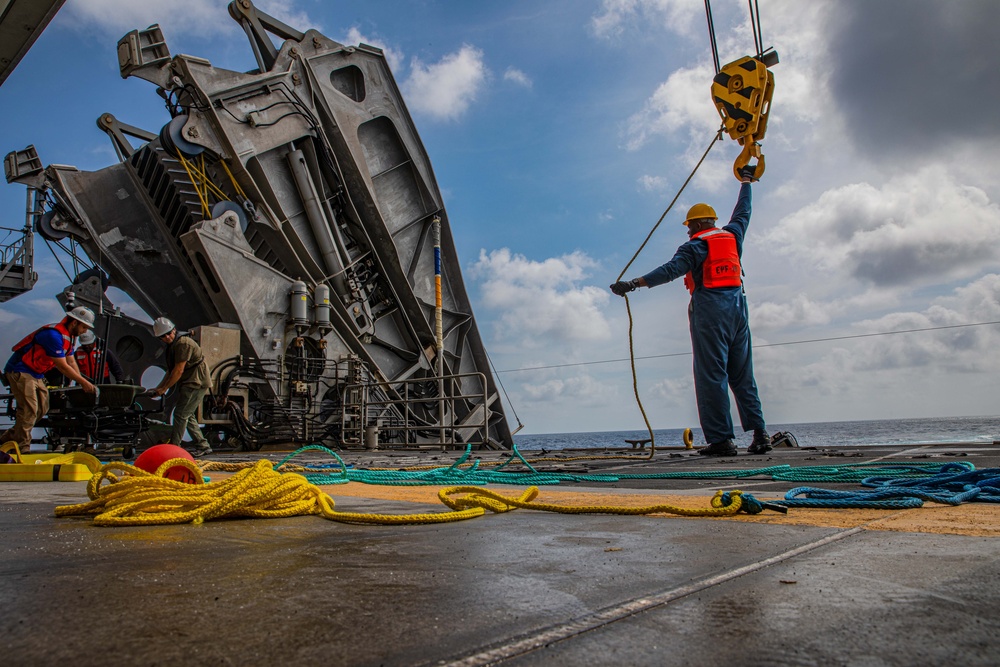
(232, 180)
(194, 182)
(140, 498)
(209, 185)
(495, 502)
(628, 308)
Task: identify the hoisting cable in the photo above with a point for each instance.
(504, 389)
(758, 38)
(628, 307)
(711, 35)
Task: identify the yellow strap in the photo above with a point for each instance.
(10, 447)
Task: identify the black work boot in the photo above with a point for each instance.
(761, 442)
(724, 448)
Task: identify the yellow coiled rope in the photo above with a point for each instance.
(141, 498)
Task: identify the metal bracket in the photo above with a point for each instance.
(23, 167)
(257, 24)
(143, 53)
(119, 133)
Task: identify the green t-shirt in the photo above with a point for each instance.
(195, 370)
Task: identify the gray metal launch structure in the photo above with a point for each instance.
(290, 218)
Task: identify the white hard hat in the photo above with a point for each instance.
(87, 337)
(82, 314)
(162, 326)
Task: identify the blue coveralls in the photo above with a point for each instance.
(720, 335)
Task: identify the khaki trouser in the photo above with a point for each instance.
(32, 397)
(185, 416)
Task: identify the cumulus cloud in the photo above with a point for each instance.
(950, 343)
(800, 311)
(545, 302)
(916, 229)
(580, 389)
(911, 75)
(444, 90)
(653, 183)
(197, 18)
(517, 76)
(681, 104)
(678, 16)
(393, 56)
(799, 31)
(955, 334)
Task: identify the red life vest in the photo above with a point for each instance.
(33, 355)
(722, 266)
(90, 363)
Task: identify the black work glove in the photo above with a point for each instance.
(747, 173)
(623, 287)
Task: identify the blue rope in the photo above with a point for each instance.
(954, 484)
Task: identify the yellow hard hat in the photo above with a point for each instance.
(699, 212)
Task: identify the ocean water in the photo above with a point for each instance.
(821, 434)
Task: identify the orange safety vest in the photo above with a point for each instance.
(722, 266)
(90, 362)
(33, 355)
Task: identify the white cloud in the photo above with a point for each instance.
(392, 56)
(910, 373)
(579, 388)
(958, 348)
(542, 303)
(517, 76)
(444, 90)
(678, 16)
(800, 311)
(653, 183)
(179, 18)
(919, 228)
(682, 104)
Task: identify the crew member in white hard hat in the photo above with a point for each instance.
(89, 357)
(49, 347)
(189, 371)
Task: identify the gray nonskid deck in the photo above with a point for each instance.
(517, 588)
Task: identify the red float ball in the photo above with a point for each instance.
(155, 456)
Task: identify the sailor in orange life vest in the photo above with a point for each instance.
(37, 353)
(719, 322)
(88, 360)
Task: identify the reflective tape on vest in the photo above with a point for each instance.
(721, 267)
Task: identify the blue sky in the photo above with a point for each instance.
(560, 130)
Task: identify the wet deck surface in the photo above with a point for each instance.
(814, 587)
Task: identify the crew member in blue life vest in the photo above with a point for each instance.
(37, 353)
(719, 322)
(89, 356)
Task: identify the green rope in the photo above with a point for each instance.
(341, 473)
